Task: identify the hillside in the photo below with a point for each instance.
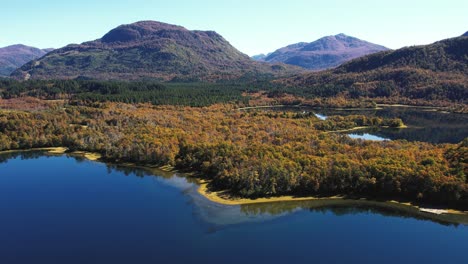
(325, 53)
(15, 56)
(438, 71)
(149, 49)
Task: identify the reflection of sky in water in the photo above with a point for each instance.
(112, 214)
(214, 213)
(321, 117)
(367, 136)
(207, 211)
(423, 125)
(219, 216)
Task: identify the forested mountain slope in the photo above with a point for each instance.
(438, 71)
(149, 49)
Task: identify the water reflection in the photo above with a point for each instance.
(423, 125)
(23, 155)
(224, 215)
(352, 206)
(218, 216)
(366, 136)
(321, 117)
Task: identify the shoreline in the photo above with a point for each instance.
(365, 127)
(52, 150)
(58, 150)
(412, 106)
(222, 197)
(442, 109)
(349, 129)
(306, 106)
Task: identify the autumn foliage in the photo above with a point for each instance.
(252, 154)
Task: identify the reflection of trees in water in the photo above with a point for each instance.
(346, 207)
(23, 155)
(128, 170)
(427, 126)
(336, 206)
(432, 134)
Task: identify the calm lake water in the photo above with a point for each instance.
(61, 209)
(367, 136)
(423, 124)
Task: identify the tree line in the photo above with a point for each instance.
(251, 154)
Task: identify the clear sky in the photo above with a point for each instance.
(252, 26)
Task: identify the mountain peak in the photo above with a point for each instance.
(435, 71)
(14, 56)
(326, 52)
(149, 49)
(465, 35)
(344, 37)
(341, 35)
(138, 30)
(16, 47)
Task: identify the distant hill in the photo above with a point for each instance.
(259, 57)
(465, 35)
(325, 53)
(438, 71)
(13, 57)
(149, 49)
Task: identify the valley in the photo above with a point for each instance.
(152, 142)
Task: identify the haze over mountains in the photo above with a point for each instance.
(15, 56)
(260, 57)
(324, 53)
(149, 49)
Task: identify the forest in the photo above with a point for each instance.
(429, 74)
(250, 153)
(249, 90)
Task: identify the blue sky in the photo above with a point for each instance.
(252, 26)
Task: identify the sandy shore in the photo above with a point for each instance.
(53, 150)
(88, 155)
(223, 197)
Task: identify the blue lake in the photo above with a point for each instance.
(366, 136)
(423, 124)
(62, 209)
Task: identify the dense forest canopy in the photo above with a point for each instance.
(193, 94)
(432, 72)
(239, 91)
(196, 126)
(251, 154)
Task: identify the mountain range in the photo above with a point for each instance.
(149, 49)
(327, 52)
(14, 56)
(154, 50)
(432, 72)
